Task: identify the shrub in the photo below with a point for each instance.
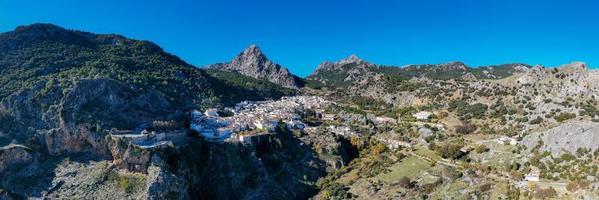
(564, 116)
(467, 128)
(405, 182)
(481, 149)
(450, 150)
(572, 186)
(537, 120)
(379, 148)
(546, 193)
(567, 157)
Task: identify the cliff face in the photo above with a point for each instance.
(252, 62)
(565, 138)
(13, 155)
(280, 166)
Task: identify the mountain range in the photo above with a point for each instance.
(102, 116)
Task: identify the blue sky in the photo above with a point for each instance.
(299, 34)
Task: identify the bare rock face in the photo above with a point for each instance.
(339, 65)
(252, 62)
(65, 126)
(569, 80)
(343, 72)
(565, 138)
(13, 154)
(162, 184)
(74, 139)
(127, 156)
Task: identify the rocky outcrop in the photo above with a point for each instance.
(344, 72)
(65, 123)
(444, 67)
(569, 80)
(565, 138)
(127, 156)
(78, 139)
(163, 184)
(253, 63)
(14, 154)
(357, 64)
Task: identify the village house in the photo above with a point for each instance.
(251, 138)
(422, 115)
(328, 117)
(385, 120)
(533, 175)
(507, 140)
(152, 139)
(396, 144)
(341, 130)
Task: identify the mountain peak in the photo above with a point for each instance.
(40, 31)
(252, 50)
(353, 58)
(38, 27)
(574, 67)
(252, 62)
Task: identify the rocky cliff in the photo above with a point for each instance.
(343, 72)
(565, 138)
(12, 155)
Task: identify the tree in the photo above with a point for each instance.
(546, 193)
(537, 120)
(450, 150)
(466, 128)
(564, 116)
(405, 182)
(572, 186)
(378, 148)
(481, 148)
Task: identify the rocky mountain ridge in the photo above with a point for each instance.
(353, 70)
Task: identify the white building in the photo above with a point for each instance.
(532, 176)
(422, 115)
(507, 140)
(385, 120)
(328, 117)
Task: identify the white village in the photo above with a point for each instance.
(247, 120)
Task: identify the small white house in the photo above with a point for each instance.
(328, 117)
(259, 124)
(507, 140)
(422, 115)
(532, 176)
(385, 120)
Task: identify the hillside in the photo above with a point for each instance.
(353, 70)
(65, 94)
(101, 116)
(53, 77)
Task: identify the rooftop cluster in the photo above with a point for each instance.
(254, 117)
